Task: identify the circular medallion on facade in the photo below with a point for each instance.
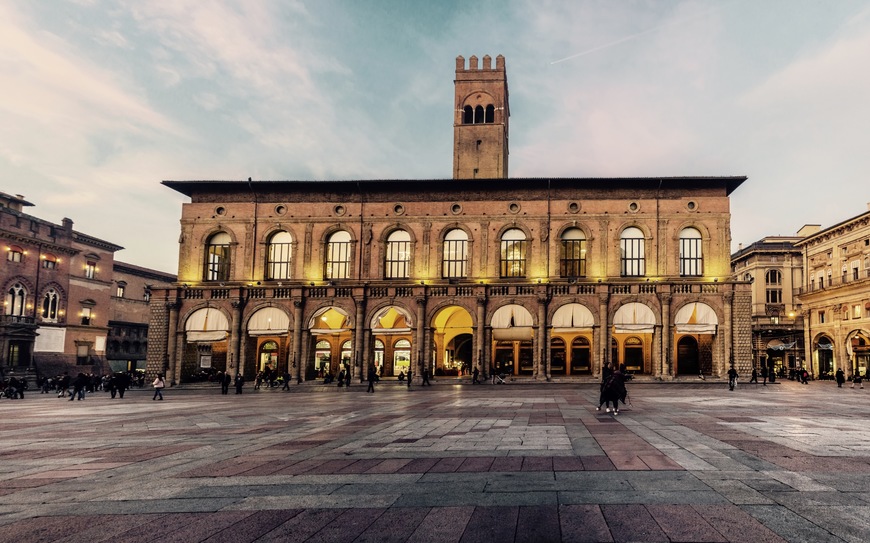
(573, 207)
(220, 210)
(456, 209)
(339, 210)
(514, 207)
(280, 209)
(692, 205)
(633, 207)
(399, 209)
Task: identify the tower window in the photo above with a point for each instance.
(478, 115)
(467, 115)
(490, 114)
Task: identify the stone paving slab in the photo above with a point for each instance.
(684, 462)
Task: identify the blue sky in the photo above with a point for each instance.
(101, 100)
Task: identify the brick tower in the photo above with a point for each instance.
(480, 120)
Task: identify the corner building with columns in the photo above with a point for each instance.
(533, 278)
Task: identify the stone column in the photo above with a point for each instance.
(305, 350)
(480, 338)
(603, 318)
(356, 369)
(728, 334)
(541, 351)
(296, 356)
(173, 369)
(418, 355)
(236, 336)
(666, 369)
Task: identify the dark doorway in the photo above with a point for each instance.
(687, 356)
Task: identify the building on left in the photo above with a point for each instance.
(68, 304)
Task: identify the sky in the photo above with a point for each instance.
(102, 100)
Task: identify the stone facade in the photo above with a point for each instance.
(537, 278)
(61, 300)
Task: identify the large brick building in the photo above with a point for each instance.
(68, 304)
(540, 278)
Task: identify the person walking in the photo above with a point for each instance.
(159, 383)
(614, 390)
(226, 379)
(754, 378)
(240, 383)
(425, 382)
(764, 371)
(409, 377)
(606, 372)
(286, 381)
(63, 385)
(857, 380)
(475, 373)
(372, 377)
(840, 377)
(347, 378)
(79, 384)
(732, 378)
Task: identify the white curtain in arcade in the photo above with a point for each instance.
(206, 325)
(573, 317)
(696, 318)
(269, 321)
(512, 322)
(634, 317)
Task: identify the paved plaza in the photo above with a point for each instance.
(682, 462)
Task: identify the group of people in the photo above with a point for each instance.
(857, 378)
(613, 389)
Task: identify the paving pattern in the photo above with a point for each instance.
(537, 463)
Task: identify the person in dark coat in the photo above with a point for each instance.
(732, 378)
(841, 377)
(63, 385)
(409, 377)
(475, 373)
(754, 378)
(226, 380)
(606, 372)
(79, 384)
(240, 382)
(614, 389)
(286, 381)
(347, 378)
(340, 379)
(372, 377)
(425, 382)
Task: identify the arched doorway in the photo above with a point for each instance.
(206, 333)
(824, 353)
(391, 326)
(330, 327)
(633, 327)
(558, 356)
(633, 354)
(322, 358)
(581, 356)
(512, 332)
(267, 359)
(401, 357)
(687, 356)
(453, 349)
(267, 331)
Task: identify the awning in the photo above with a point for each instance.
(696, 318)
(573, 317)
(516, 333)
(206, 337)
(510, 316)
(825, 347)
(206, 325)
(268, 321)
(634, 317)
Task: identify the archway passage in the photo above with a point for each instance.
(570, 347)
(688, 362)
(206, 348)
(633, 328)
(392, 330)
(825, 357)
(512, 332)
(453, 349)
(330, 328)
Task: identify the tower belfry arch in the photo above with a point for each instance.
(480, 120)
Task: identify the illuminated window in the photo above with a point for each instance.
(572, 260)
(337, 264)
(631, 248)
(455, 256)
(691, 262)
(217, 257)
(398, 255)
(773, 280)
(50, 303)
(122, 288)
(16, 297)
(513, 253)
(279, 251)
(86, 316)
(49, 262)
(14, 254)
(90, 269)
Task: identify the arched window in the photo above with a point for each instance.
(773, 280)
(16, 297)
(337, 265)
(402, 356)
(379, 355)
(217, 257)
(631, 248)
(121, 289)
(14, 254)
(397, 261)
(478, 115)
(50, 304)
(278, 256)
(455, 255)
(572, 261)
(691, 261)
(513, 253)
(490, 114)
(49, 261)
(467, 115)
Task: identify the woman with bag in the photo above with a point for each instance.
(158, 383)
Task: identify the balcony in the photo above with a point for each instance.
(855, 276)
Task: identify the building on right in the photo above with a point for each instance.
(835, 297)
